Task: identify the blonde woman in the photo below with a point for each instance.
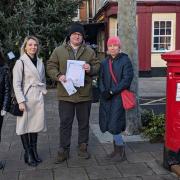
(29, 87)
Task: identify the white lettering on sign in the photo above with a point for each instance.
(178, 92)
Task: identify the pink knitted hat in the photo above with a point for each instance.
(114, 41)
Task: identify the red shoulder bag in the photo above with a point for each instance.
(128, 97)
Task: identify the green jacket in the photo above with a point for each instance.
(57, 65)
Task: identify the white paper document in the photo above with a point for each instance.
(75, 72)
(68, 85)
(178, 92)
(11, 55)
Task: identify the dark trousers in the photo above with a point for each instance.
(1, 122)
(67, 112)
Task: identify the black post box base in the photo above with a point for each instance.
(170, 158)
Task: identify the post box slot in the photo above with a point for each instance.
(177, 74)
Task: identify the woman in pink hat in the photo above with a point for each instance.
(116, 74)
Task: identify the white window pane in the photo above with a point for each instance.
(156, 31)
(168, 40)
(162, 24)
(162, 31)
(162, 39)
(168, 46)
(155, 47)
(162, 46)
(156, 24)
(156, 39)
(168, 24)
(168, 31)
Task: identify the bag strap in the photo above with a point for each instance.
(22, 73)
(111, 72)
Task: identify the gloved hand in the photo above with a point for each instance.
(106, 95)
(3, 113)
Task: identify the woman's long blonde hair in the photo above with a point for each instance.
(27, 38)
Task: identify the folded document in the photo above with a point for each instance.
(68, 85)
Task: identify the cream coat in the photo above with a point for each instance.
(31, 93)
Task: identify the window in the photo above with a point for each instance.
(162, 36)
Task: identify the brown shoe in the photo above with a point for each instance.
(62, 156)
(82, 151)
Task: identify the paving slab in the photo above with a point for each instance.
(156, 177)
(4, 147)
(140, 157)
(36, 175)
(50, 164)
(9, 176)
(157, 167)
(135, 169)
(171, 176)
(79, 162)
(70, 174)
(104, 160)
(145, 147)
(126, 178)
(99, 172)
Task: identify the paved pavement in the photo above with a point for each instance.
(144, 160)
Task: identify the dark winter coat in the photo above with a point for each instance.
(111, 111)
(5, 90)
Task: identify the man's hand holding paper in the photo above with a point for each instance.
(87, 67)
(68, 85)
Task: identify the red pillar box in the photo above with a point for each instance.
(172, 127)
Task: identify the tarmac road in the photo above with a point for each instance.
(152, 94)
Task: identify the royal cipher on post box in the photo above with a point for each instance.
(172, 125)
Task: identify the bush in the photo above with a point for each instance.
(146, 117)
(155, 126)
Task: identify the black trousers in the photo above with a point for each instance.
(67, 112)
(1, 122)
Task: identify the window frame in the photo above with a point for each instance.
(153, 36)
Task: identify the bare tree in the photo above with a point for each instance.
(128, 35)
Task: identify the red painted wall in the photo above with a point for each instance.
(83, 11)
(144, 41)
(178, 31)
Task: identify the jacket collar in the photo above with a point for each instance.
(80, 49)
(30, 65)
(118, 56)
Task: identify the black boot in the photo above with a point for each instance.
(33, 142)
(118, 154)
(113, 153)
(28, 155)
